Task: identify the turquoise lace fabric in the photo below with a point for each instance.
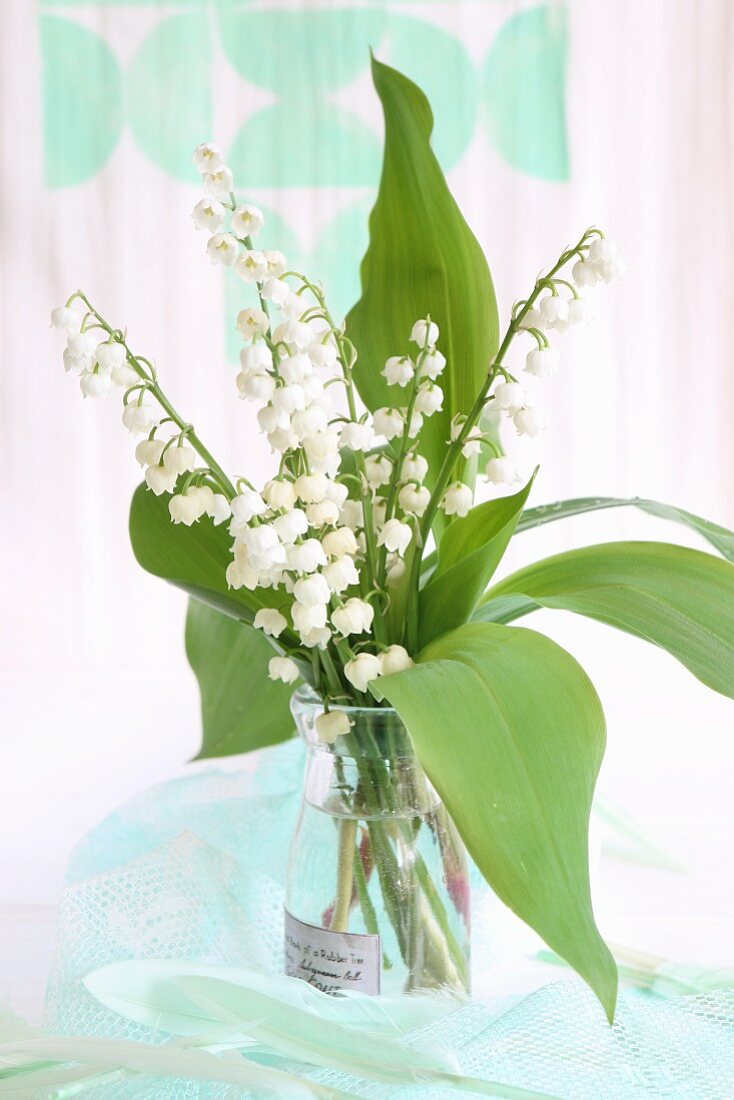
(194, 869)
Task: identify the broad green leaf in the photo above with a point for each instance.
(681, 600)
(719, 537)
(193, 558)
(422, 259)
(241, 708)
(511, 733)
(468, 554)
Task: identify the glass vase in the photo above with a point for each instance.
(377, 891)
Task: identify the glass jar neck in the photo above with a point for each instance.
(370, 772)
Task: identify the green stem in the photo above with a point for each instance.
(345, 875)
(454, 450)
(152, 386)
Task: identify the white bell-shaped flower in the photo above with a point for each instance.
(311, 488)
(207, 157)
(424, 333)
(252, 322)
(533, 319)
(222, 248)
(218, 182)
(319, 636)
(341, 573)
(585, 274)
(282, 440)
(457, 500)
(415, 468)
(138, 416)
(330, 725)
(378, 470)
(323, 514)
(69, 318)
(502, 470)
(414, 500)
(396, 536)
(208, 214)
(279, 494)
(276, 261)
(362, 670)
(509, 396)
(352, 514)
(270, 621)
(269, 418)
(554, 308)
(218, 509)
(340, 543)
(307, 617)
(291, 525)
(275, 290)
(395, 659)
(256, 387)
(160, 480)
(429, 399)
(306, 556)
(256, 359)
(310, 421)
(124, 376)
(312, 590)
(578, 311)
(355, 617)
(95, 383)
(336, 491)
(184, 508)
(529, 421)
(283, 668)
(324, 353)
(251, 266)
(357, 436)
(289, 398)
(247, 220)
(246, 505)
(322, 451)
(398, 370)
(295, 368)
(148, 451)
(83, 344)
(180, 459)
(542, 362)
(388, 422)
(294, 333)
(110, 354)
(432, 364)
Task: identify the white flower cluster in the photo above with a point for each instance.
(303, 533)
(100, 363)
(554, 312)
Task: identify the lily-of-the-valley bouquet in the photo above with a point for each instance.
(359, 572)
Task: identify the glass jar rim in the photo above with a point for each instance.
(305, 696)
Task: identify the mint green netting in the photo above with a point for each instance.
(195, 868)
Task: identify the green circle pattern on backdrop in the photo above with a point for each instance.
(314, 140)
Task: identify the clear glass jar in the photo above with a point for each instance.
(377, 892)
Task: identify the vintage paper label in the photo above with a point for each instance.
(331, 961)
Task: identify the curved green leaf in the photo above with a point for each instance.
(468, 554)
(681, 600)
(193, 558)
(241, 708)
(719, 537)
(422, 259)
(516, 771)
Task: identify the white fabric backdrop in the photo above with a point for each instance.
(97, 701)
